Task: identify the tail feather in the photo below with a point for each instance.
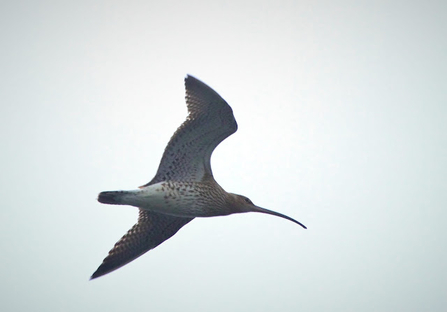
(112, 197)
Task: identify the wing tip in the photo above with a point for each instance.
(189, 76)
(92, 277)
(99, 272)
(191, 80)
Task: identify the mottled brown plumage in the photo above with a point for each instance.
(183, 187)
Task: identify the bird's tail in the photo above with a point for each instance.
(112, 197)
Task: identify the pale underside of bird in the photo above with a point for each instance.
(183, 187)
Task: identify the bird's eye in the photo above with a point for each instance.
(248, 201)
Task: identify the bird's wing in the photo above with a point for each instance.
(151, 230)
(209, 122)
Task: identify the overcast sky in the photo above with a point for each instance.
(342, 113)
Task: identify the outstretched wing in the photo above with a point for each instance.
(186, 157)
(210, 121)
(151, 230)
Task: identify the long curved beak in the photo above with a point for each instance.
(274, 213)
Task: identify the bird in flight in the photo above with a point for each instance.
(183, 187)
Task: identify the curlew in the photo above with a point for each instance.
(183, 187)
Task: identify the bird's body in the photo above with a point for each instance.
(183, 187)
(179, 199)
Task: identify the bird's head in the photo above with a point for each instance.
(241, 203)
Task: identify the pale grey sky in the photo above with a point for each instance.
(341, 107)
